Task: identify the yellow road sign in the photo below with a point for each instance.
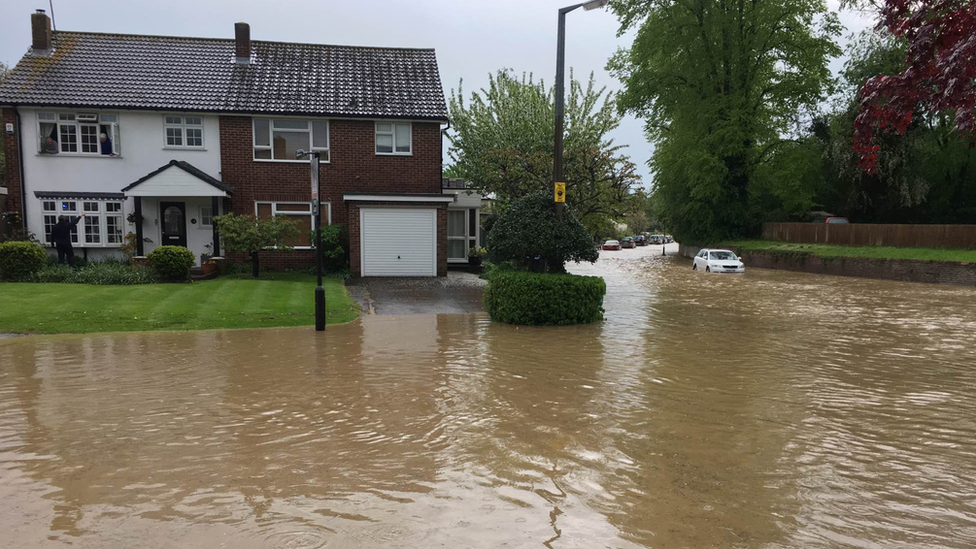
(560, 192)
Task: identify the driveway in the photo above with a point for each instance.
(458, 292)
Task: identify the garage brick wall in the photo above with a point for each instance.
(355, 247)
(354, 167)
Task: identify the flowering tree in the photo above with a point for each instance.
(940, 74)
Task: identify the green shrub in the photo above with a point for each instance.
(53, 274)
(530, 229)
(335, 247)
(20, 259)
(172, 262)
(101, 273)
(517, 297)
(489, 269)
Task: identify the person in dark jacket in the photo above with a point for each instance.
(61, 238)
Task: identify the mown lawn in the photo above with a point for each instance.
(238, 301)
(874, 252)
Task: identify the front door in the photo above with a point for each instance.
(174, 223)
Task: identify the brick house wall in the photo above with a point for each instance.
(353, 167)
(355, 263)
(15, 202)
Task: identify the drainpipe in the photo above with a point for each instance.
(20, 159)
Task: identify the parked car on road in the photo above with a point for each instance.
(831, 220)
(668, 239)
(611, 245)
(640, 240)
(656, 239)
(628, 242)
(718, 261)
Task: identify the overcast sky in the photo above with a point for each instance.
(472, 37)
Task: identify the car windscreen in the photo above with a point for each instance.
(612, 242)
(721, 256)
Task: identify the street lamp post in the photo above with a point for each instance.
(313, 160)
(557, 157)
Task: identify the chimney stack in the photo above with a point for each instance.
(242, 36)
(41, 32)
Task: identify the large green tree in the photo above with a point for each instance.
(502, 141)
(723, 86)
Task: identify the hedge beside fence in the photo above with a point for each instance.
(516, 297)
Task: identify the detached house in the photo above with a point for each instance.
(157, 135)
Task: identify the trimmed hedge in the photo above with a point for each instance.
(172, 262)
(518, 297)
(20, 259)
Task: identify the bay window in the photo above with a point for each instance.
(183, 132)
(280, 139)
(394, 138)
(78, 133)
(101, 227)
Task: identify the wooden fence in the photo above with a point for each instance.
(873, 234)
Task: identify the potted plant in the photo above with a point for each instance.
(476, 255)
(209, 267)
(205, 256)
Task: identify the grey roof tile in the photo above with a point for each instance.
(199, 74)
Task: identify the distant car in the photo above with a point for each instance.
(656, 239)
(640, 240)
(668, 239)
(831, 219)
(628, 242)
(611, 245)
(718, 261)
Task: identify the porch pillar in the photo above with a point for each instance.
(139, 247)
(214, 212)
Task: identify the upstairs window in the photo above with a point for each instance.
(394, 138)
(78, 133)
(183, 132)
(280, 139)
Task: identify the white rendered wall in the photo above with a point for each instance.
(143, 150)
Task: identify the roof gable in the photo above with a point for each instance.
(177, 178)
(199, 74)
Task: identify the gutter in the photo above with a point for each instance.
(20, 160)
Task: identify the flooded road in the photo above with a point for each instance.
(773, 409)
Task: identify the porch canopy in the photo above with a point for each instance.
(177, 178)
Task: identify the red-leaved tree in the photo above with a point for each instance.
(940, 74)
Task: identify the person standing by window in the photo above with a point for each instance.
(106, 144)
(61, 238)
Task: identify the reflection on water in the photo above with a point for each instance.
(773, 409)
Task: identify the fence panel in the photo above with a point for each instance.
(873, 234)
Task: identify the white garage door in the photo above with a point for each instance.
(398, 241)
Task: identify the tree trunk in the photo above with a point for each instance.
(254, 264)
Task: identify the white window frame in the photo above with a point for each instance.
(325, 155)
(207, 226)
(69, 119)
(182, 126)
(392, 133)
(464, 238)
(274, 212)
(80, 234)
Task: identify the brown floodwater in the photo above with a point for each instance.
(773, 409)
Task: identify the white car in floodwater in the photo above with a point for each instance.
(718, 261)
